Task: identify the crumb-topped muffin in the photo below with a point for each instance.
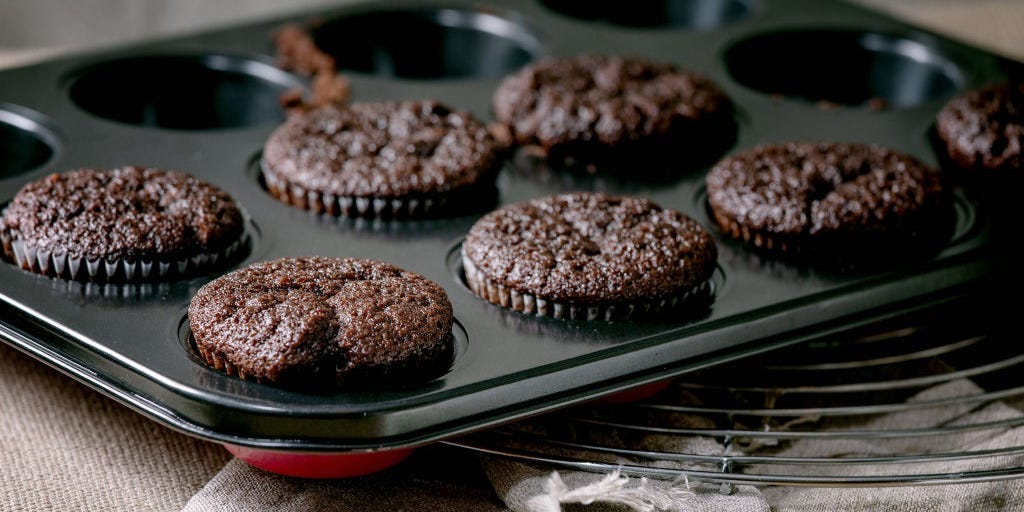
(324, 323)
(127, 224)
(825, 197)
(388, 159)
(588, 255)
(594, 107)
(983, 129)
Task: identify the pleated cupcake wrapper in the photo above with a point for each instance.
(810, 250)
(49, 263)
(352, 206)
(5, 244)
(533, 305)
(220, 363)
(759, 239)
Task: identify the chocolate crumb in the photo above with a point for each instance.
(297, 51)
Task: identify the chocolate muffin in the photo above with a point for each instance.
(983, 130)
(406, 159)
(326, 323)
(605, 110)
(826, 198)
(588, 256)
(128, 224)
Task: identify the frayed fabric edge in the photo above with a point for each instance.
(614, 488)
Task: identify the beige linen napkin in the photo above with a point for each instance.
(65, 447)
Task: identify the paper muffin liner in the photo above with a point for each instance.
(353, 206)
(530, 304)
(760, 239)
(218, 362)
(101, 269)
(5, 244)
(840, 253)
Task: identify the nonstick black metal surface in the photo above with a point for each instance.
(796, 69)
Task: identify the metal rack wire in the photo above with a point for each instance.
(932, 403)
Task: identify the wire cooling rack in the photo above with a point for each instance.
(927, 403)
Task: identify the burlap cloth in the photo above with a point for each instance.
(64, 447)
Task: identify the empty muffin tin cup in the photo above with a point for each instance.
(680, 14)
(844, 68)
(183, 92)
(319, 465)
(427, 43)
(25, 143)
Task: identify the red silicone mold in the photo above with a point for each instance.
(319, 465)
(634, 394)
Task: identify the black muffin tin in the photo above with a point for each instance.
(205, 103)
